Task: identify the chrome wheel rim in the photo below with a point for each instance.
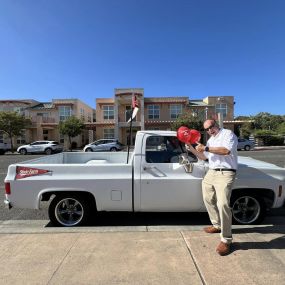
(69, 212)
(246, 210)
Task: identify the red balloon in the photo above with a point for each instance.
(195, 136)
(186, 135)
(183, 134)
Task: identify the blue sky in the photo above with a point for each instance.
(196, 48)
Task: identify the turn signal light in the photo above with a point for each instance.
(7, 188)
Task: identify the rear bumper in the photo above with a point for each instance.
(7, 204)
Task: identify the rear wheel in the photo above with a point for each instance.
(48, 151)
(248, 209)
(69, 210)
(23, 151)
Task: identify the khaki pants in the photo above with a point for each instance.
(217, 189)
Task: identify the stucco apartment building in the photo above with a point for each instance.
(110, 119)
(155, 113)
(45, 117)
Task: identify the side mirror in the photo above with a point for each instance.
(184, 160)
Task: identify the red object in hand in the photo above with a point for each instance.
(186, 135)
(183, 134)
(195, 136)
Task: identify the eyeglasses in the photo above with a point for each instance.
(209, 128)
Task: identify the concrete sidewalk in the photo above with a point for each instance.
(142, 257)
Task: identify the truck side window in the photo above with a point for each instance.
(163, 149)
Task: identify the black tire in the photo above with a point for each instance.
(23, 151)
(48, 151)
(89, 149)
(247, 209)
(113, 149)
(69, 210)
(247, 147)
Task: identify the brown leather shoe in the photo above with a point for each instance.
(212, 230)
(223, 248)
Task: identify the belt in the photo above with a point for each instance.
(224, 169)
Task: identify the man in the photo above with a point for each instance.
(221, 152)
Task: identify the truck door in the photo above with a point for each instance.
(165, 186)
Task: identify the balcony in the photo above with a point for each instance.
(39, 120)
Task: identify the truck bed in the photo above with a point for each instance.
(82, 158)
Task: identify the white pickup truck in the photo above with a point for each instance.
(158, 177)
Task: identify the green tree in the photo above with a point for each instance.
(281, 128)
(246, 129)
(13, 125)
(71, 127)
(266, 121)
(190, 120)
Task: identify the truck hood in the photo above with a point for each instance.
(250, 166)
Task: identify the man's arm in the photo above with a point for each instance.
(216, 150)
(199, 154)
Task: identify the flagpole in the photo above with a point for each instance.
(130, 131)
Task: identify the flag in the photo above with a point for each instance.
(23, 172)
(135, 102)
(135, 107)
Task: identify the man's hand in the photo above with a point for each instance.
(189, 147)
(199, 154)
(200, 147)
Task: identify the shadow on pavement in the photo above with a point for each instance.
(108, 219)
(276, 243)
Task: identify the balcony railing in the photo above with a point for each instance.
(43, 120)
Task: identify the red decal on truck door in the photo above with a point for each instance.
(23, 172)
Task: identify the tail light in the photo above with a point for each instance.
(7, 188)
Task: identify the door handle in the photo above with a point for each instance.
(148, 167)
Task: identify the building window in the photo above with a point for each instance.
(89, 120)
(21, 140)
(109, 133)
(82, 114)
(153, 111)
(19, 110)
(64, 112)
(175, 111)
(61, 138)
(108, 112)
(222, 108)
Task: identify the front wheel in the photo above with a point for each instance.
(23, 151)
(69, 210)
(113, 149)
(247, 209)
(247, 148)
